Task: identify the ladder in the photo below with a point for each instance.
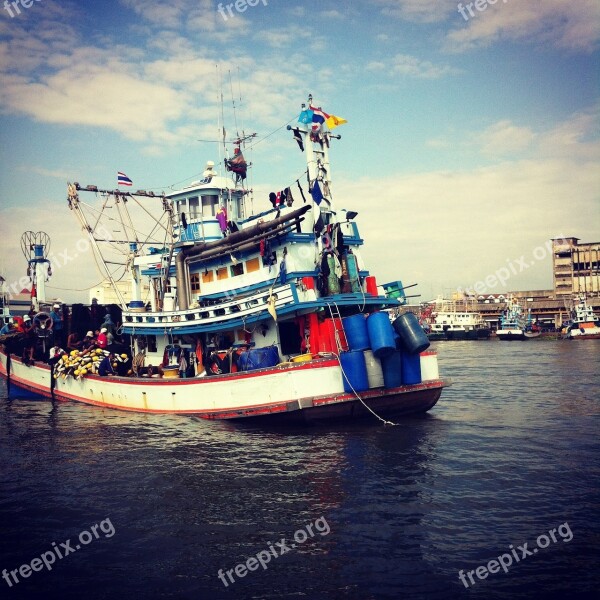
(334, 312)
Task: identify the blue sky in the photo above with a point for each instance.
(469, 143)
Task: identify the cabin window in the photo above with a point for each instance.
(194, 207)
(209, 206)
(195, 282)
(222, 273)
(237, 269)
(147, 342)
(208, 276)
(252, 265)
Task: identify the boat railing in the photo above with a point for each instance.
(233, 309)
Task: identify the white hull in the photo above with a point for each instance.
(273, 391)
(510, 334)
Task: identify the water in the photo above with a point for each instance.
(509, 453)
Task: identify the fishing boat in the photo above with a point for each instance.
(585, 324)
(449, 320)
(513, 321)
(250, 316)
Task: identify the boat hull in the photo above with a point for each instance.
(510, 335)
(273, 394)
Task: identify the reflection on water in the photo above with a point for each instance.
(509, 452)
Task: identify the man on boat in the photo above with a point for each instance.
(28, 340)
(57, 323)
(7, 329)
(73, 341)
(102, 341)
(106, 367)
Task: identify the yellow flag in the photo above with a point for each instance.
(333, 121)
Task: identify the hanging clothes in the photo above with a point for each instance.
(298, 138)
(273, 198)
(221, 217)
(282, 272)
(339, 240)
(301, 192)
(324, 265)
(262, 247)
(289, 200)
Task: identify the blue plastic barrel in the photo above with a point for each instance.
(136, 304)
(381, 334)
(392, 369)
(412, 336)
(355, 328)
(411, 368)
(258, 358)
(354, 371)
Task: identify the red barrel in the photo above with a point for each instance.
(309, 283)
(314, 336)
(333, 326)
(371, 285)
(325, 337)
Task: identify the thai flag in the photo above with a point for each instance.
(122, 179)
(319, 117)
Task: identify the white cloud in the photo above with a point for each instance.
(403, 64)
(568, 24)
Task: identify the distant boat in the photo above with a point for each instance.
(513, 322)
(585, 324)
(447, 320)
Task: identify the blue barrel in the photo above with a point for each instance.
(381, 334)
(355, 328)
(258, 358)
(392, 369)
(411, 368)
(414, 340)
(354, 371)
(136, 304)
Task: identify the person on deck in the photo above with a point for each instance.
(73, 341)
(106, 367)
(102, 340)
(57, 323)
(29, 340)
(7, 329)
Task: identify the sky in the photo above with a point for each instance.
(472, 134)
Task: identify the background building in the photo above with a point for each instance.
(575, 267)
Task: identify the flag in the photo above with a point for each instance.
(122, 179)
(306, 117)
(333, 121)
(316, 193)
(237, 164)
(319, 117)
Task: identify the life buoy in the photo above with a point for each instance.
(42, 323)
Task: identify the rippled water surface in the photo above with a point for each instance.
(510, 453)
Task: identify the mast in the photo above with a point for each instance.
(74, 205)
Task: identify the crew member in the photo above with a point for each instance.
(57, 323)
(102, 340)
(106, 367)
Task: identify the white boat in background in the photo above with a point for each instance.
(585, 324)
(248, 313)
(452, 320)
(513, 322)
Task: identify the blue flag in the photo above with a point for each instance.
(316, 193)
(306, 116)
